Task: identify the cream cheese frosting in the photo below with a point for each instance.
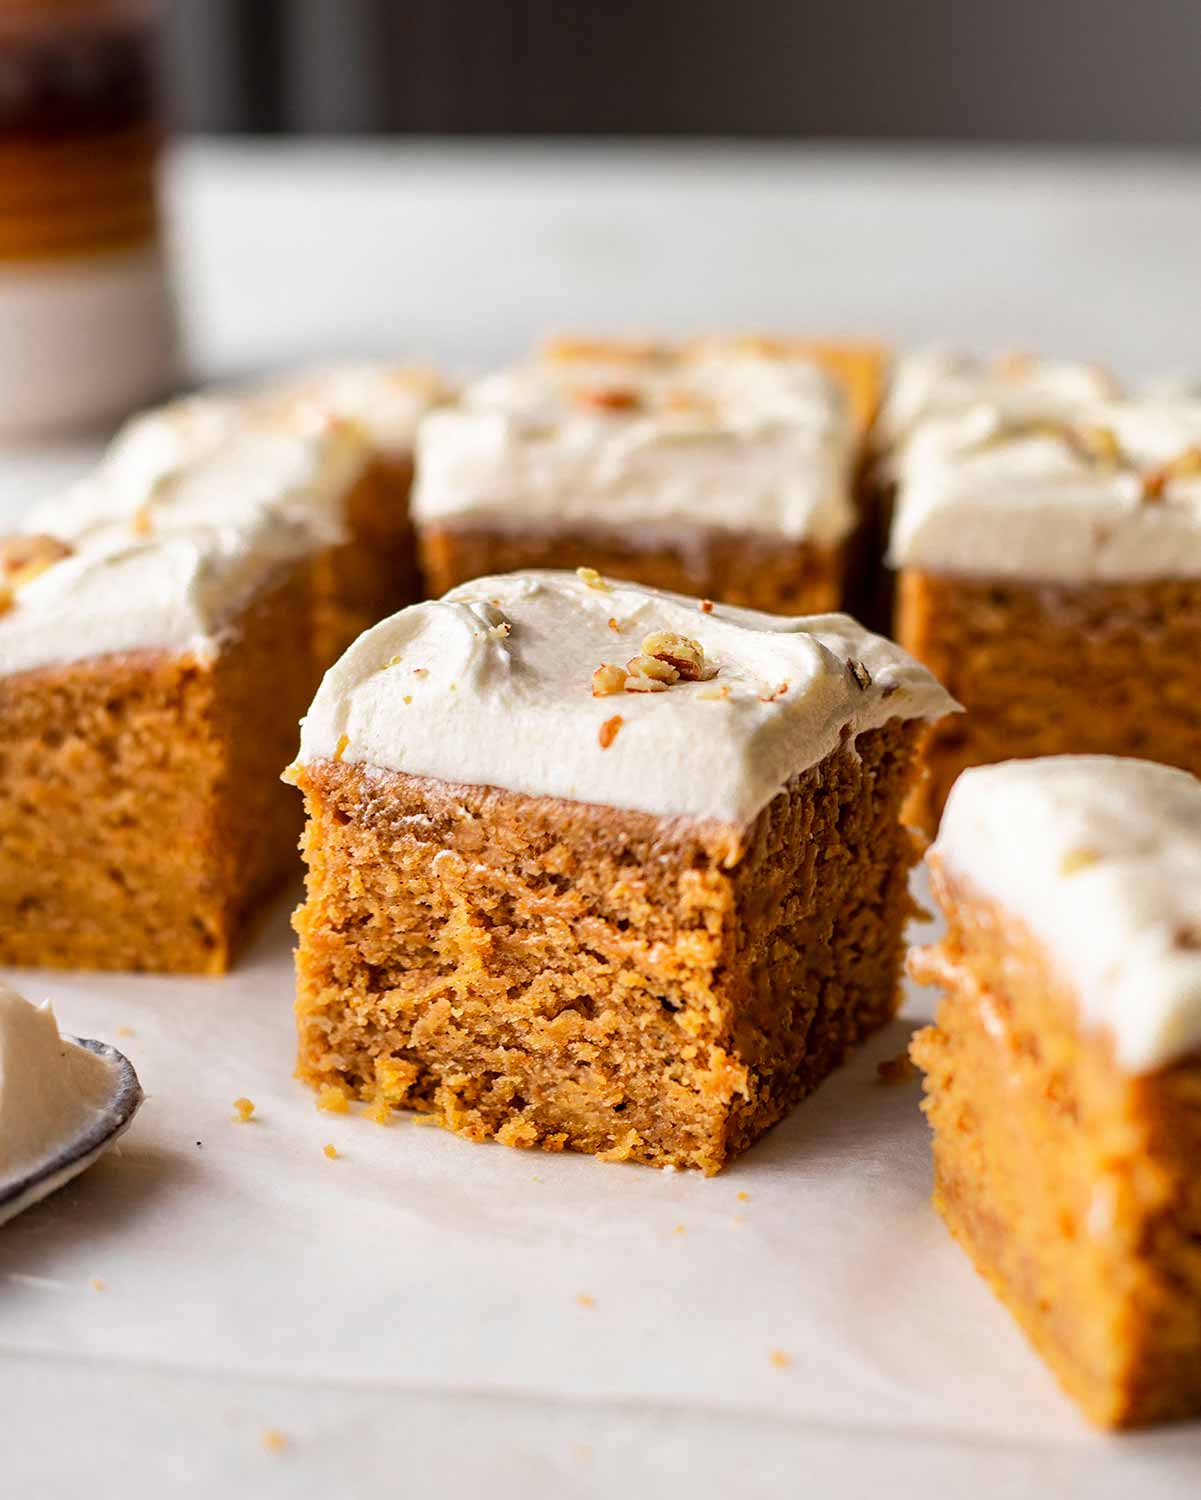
(52, 1091)
(296, 444)
(1113, 495)
(176, 592)
(385, 401)
(201, 465)
(1100, 858)
(62, 1103)
(491, 686)
(716, 435)
(941, 382)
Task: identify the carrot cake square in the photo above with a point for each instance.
(723, 468)
(336, 442)
(598, 867)
(1050, 575)
(937, 382)
(149, 692)
(1063, 1071)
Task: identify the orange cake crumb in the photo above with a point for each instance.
(585, 1300)
(331, 1151)
(245, 1108)
(781, 1360)
(274, 1440)
(899, 1069)
(333, 1098)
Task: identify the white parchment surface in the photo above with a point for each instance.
(426, 1307)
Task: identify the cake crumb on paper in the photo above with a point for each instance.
(585, 1300)
(274, 1440)
(332, 1097)
(781, 1360)
(331, 1151)
(744, 1197)
(899, 1069)
(245, 1108)
(97, 1285)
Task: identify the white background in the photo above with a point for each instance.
(408, 1315)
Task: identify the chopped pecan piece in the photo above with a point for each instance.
(608, 679)
(637, 683)
(860, 676)
(22, 558)
(1186, 465)
(680, 652)
(652, 667)
(607, 397)
(1077, 859)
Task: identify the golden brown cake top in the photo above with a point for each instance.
(573, 686)
(1100, 858)
(743, 435)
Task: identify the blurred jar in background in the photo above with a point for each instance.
(87, 325)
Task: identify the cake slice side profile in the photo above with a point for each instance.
(637, 910)
(149, 689)
(1050, 575)
(1063, 1070)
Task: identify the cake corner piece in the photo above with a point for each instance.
(601, 868)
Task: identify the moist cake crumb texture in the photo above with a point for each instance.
(533, 937)
(1063, 1071)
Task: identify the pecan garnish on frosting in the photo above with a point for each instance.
(1186, 465)
(607, 397)
(680, 652)
(608, 679)
(24, 558)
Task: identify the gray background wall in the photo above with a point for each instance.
(1015, 70)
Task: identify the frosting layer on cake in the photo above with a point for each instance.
(175, 592)
(717, 435)
(492, 685)
(1100, 858)
(209, 469)
(939, 382)
(1113, 494)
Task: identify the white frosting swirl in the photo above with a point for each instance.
(444, 690)
(51, 1090)
(1101, 859)
(978, 496)
(717, 436)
